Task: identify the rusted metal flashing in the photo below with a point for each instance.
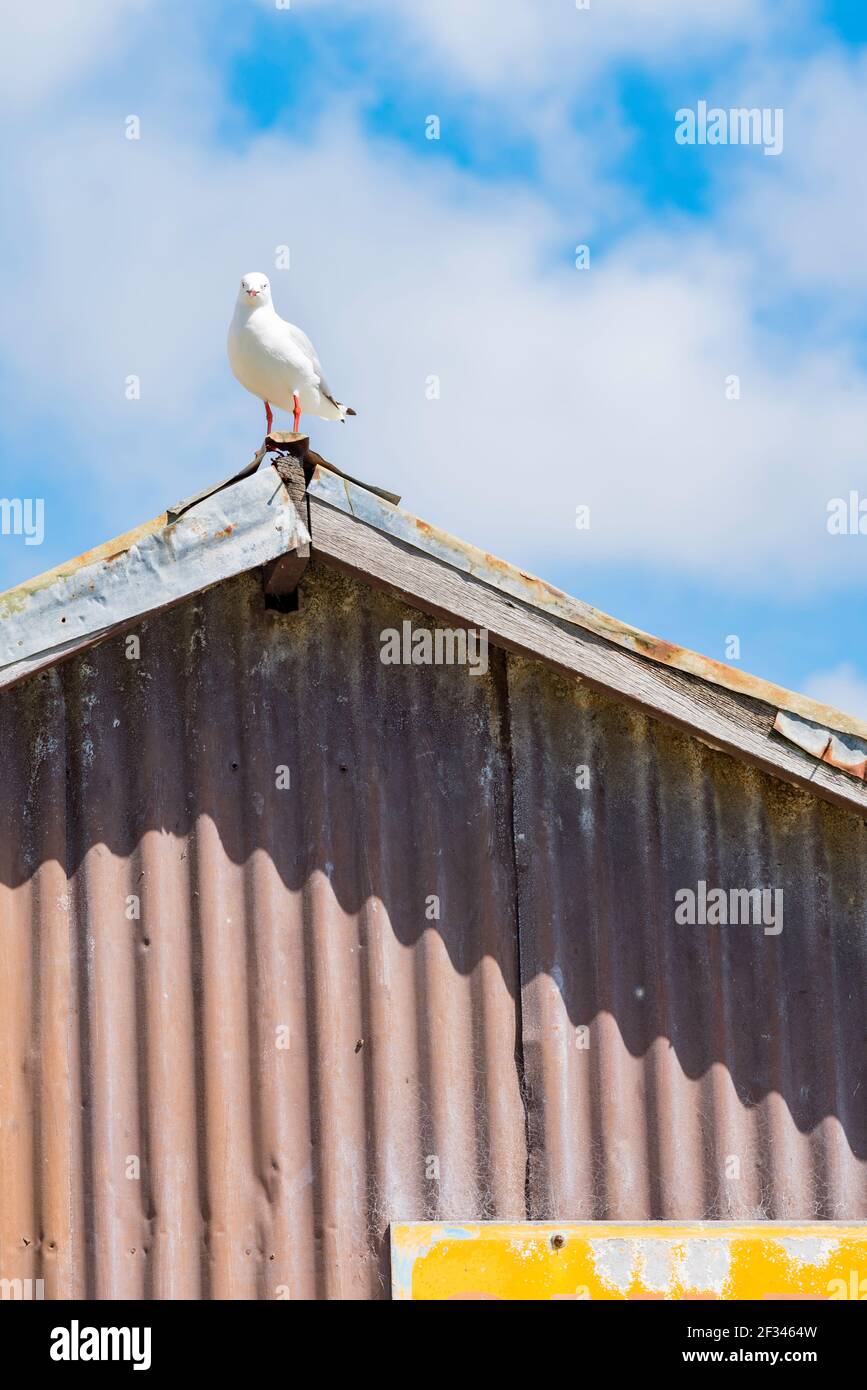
(147, 569)
(342, 494)
(848, 754)
(720, 718)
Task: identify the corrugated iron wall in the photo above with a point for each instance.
(678, 1071)
(245, 1025)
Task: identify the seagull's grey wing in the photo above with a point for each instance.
(304, 343)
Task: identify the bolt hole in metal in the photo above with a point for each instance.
(558, 1241)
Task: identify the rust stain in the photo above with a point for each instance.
(855, 768)
(15, 600)
(823, 744)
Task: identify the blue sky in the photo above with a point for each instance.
(454, 258)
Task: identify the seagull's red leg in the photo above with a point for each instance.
(297, 410)
(269, 417)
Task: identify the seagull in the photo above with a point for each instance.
(274, 360)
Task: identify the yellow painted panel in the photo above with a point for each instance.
(619, 1260)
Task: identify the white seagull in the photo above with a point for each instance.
(274, 360)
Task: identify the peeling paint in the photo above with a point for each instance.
(535, 1260)
(705, 1265)
(613, 1260)
(656, 1263)
(808, 1250)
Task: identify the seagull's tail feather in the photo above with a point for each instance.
(343, 410)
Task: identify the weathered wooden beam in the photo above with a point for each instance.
(286, 442)
(298, 446)
(281, 576)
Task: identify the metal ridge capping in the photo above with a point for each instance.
(347, 497)
(146, 569)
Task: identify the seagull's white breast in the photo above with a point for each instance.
(269, 362)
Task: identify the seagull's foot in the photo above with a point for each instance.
(269, 418)
(297, 411)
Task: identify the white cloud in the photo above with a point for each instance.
(604, 387)
(558, 387)
(44, 46)
(530, 43)
(842, 688)
(807, 219)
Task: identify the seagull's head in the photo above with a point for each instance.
(255, 289)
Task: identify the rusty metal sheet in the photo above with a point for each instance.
(620, 1260)
(345, 495)
(238, 1033)
(849, 754)
(295, 945)
(674, 1070)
